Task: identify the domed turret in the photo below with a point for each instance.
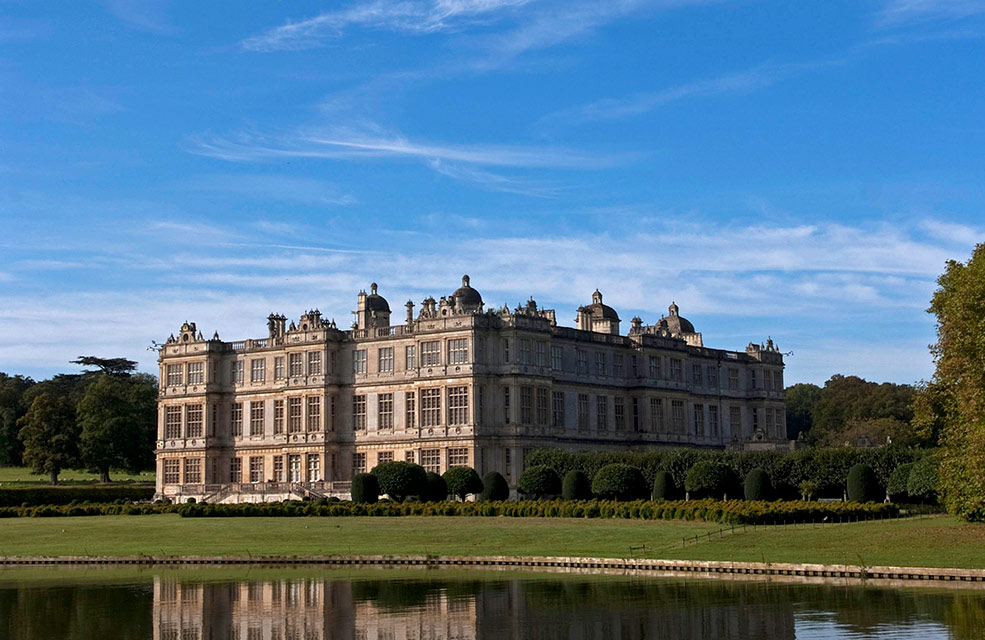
(467, 298)
(675, 323)
(372, 310)
(376, 302)
(598, 317)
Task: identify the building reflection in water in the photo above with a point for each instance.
(420, 609)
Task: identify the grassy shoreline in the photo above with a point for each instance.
(937, 541)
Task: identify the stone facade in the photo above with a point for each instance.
(300, 411)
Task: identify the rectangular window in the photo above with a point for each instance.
(541, 406)
(458, 457)
(236, 419)
(557, 408)
(278, 468)
(172, 423)
(526, 405)
(677, 369)
(410, 410)
(196, 372)
(617, 365)
(712, 377)
(506, 405)
(256, 418)
(735, 420)
(541, 354)
(634, 363)
(313, 419)
(430, 353)
(431, 460)
(713, 420)
(295, 365)
(358, 463)
(637, 425)
(410, 355)
(677, 416)
(193, 470)
(583, 411)
(582, 361)
(557, 358)
(314, 363)
(619, 412)
(238, 372)
(656, 415)
(506, 350)
(733, 379)
(409, 456)
(752, 379)
(258, 370)
(458, 351)
(385, 359)
(430, 407)
(279, 368)
(236, 470)
(314, 467)
(294, 468)
(699, 419)
(696, 377)
(524, 351)
(602, 412)
(359, 412)
(172, 472)
(458, 405)
(384, 408)
(384, 456)
(359, 361)
(256, 469)
(769, 422)
(175, 374)
(600, 365)
(294, 415)
(654, 367)
(278, 417)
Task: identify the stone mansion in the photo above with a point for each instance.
(297, 413)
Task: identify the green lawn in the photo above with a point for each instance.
(938, 541)
(23, 475)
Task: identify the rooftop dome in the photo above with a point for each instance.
(376, 302)
(675, 323)
(599, 310)
(466, 295)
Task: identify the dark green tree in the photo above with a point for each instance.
(436, 489)
(539, 482)
(461, 481)
(118, 419)
(365, 488)
(13, 405)
(863, 485)
(663, 487)
(494, 487)
(801, 402)
(50, 436)
(896, 485)
(923, 482)
(576, 486)
(619, 482)
(110, 366)
(757, 486)
(400, 479)
(709, 479)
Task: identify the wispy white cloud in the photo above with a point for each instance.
(494, 181)
(900, 12)
(952, 232)
(147, 15)
(273, 187)
(408, 16)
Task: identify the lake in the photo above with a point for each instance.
(417, 604)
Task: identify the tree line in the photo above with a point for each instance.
(102, 419)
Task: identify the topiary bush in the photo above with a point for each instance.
(619, 482)
(539, 482)
(708, 479)
(494, 487)
(365, 488)
(436, 489)
(923, 483)
(400, 479)
(664, 487)
(757, 486)
(863, 485)
(462, 481)
(575, 486)
(896, 485)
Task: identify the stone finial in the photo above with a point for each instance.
(373, 288)
(465, 280)
(597, 297)
(674, 309)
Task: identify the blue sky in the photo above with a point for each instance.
(800, 170)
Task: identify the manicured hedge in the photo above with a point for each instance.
(539, 482)
(863, 486)
(365, 488)
(35, 495)
(663, 487)
(494, 487)
(619, 482)
(576, 486)
(757, 486)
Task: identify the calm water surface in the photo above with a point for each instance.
(311, 604)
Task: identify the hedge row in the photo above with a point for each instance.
(35, 495)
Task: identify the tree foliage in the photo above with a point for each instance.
(494, 487)
(923, 482)
(664, 487)
(539, 482)
(850, 407)
(118, 418)
(619, 482)
(13, 405)
(863, 485)
(400, 479)
(801, 402)
(436, 489)
(110, 366)
(896, 486)
(461, 481)
(576, 486)
(710, 479)
(365, 488)
(757, 486)
(50, 436)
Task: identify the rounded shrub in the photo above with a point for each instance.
(862, 484)
(708, 479)
(576, 486)
(923, 482)
(757, 485)
(365, 488)
(494, 487)
(896, 484)
(539, 482)
(619, 481)
(663, 486)
(436, 489)
(400, 479)
(461, 481)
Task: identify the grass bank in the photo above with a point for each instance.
(938, 541)
(23, 475)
